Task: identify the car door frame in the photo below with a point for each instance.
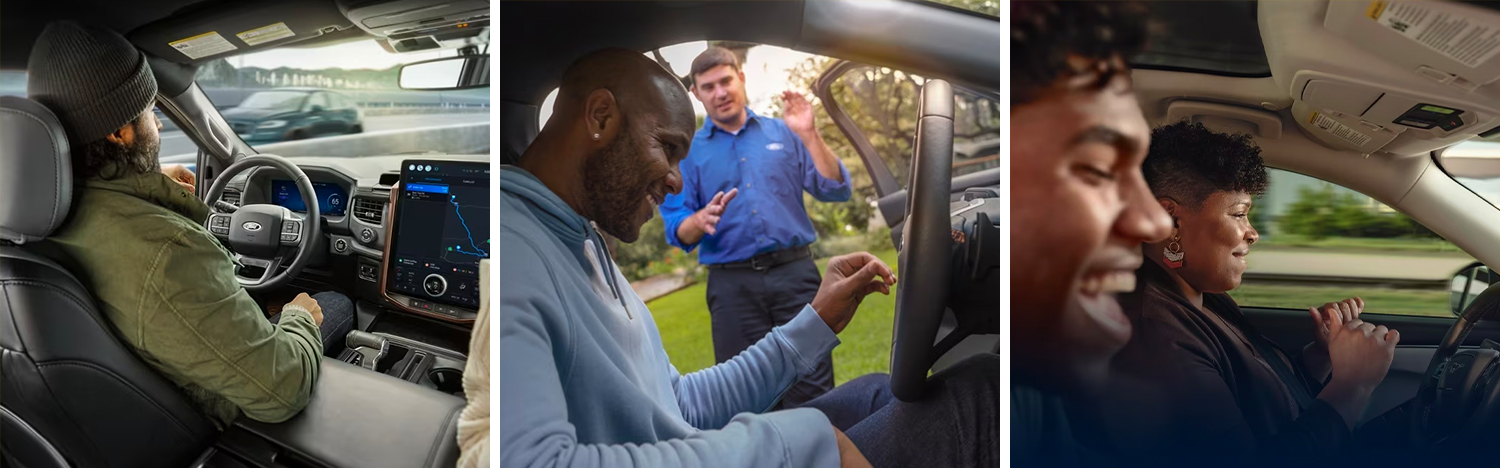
(891, 196)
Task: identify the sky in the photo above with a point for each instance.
(767, 69)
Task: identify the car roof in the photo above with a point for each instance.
(540, 39)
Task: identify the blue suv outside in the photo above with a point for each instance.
(294, 114)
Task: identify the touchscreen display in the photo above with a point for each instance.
(441, 232)
(331, 197)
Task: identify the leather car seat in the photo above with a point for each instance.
(71, 392)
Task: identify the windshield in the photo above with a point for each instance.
(273, 100)
(1476, 165)
(338, 100)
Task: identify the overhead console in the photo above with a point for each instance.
(1386, 76)
(413, 25)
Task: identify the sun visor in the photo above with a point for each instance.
(199, 34)
(1448, 42)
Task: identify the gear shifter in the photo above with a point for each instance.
(368, 348)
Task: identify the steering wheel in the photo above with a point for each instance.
(1459, 400)
(922, 295)
(265, 235)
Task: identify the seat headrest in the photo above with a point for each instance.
(36, 185)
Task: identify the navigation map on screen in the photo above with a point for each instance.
(443, 220)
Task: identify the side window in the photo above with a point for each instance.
(319, 99)
(883, 104)
(1320, 242)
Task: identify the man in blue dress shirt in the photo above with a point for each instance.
(761, 271)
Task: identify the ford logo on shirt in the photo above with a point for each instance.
(774, 147)
(251, 226)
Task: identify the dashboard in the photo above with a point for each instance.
(361, 229)
(332, 197)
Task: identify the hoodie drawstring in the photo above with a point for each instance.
(609, 268)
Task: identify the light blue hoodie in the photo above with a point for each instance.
(585, 381)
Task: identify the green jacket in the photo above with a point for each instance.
(169, 287)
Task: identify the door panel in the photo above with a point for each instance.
(893, 206)
(1292, 330)
(1401, 382)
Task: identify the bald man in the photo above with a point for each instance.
(585, 381)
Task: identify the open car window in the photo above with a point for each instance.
(882, 103)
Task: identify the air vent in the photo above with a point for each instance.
(231, 196)
(369, 210)
(390, 178)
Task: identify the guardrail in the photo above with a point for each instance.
(1345, 281)
(230, 97)
(468, 138)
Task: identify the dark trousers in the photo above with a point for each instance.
(956, 425)
(745, 304)
(338, 320)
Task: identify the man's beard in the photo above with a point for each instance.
(614, 186)
(141, 158)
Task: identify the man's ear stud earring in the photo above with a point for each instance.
(596, 136)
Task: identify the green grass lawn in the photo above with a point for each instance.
(686, 330)
(1377, 300)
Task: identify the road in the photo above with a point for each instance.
(174, 142)
(1291, 263)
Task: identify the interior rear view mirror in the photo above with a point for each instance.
(1468, 283)
(448, 73)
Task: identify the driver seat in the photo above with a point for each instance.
(71, 392)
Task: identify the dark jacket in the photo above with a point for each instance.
(1213, 393)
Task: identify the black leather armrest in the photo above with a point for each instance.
(357, 418)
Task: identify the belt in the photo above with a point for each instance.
(767, 260)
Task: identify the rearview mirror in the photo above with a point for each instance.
(1468, 283)
(449, 73)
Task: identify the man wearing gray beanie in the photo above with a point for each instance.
(136, 238)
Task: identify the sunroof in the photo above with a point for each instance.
(1221, 38)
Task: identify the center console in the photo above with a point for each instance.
(410, 360)
(392, 398)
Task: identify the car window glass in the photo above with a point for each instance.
(318, 100)
(13, 83)
(883, 104)
(1476, 165)
(1320, 242)
(265, 97)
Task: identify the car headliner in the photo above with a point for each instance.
(540, 39)
(22, 21)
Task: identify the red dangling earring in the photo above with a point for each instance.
(1173, 254)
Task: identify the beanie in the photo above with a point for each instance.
(93, 79)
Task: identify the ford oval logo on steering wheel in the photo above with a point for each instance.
(251, 226)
